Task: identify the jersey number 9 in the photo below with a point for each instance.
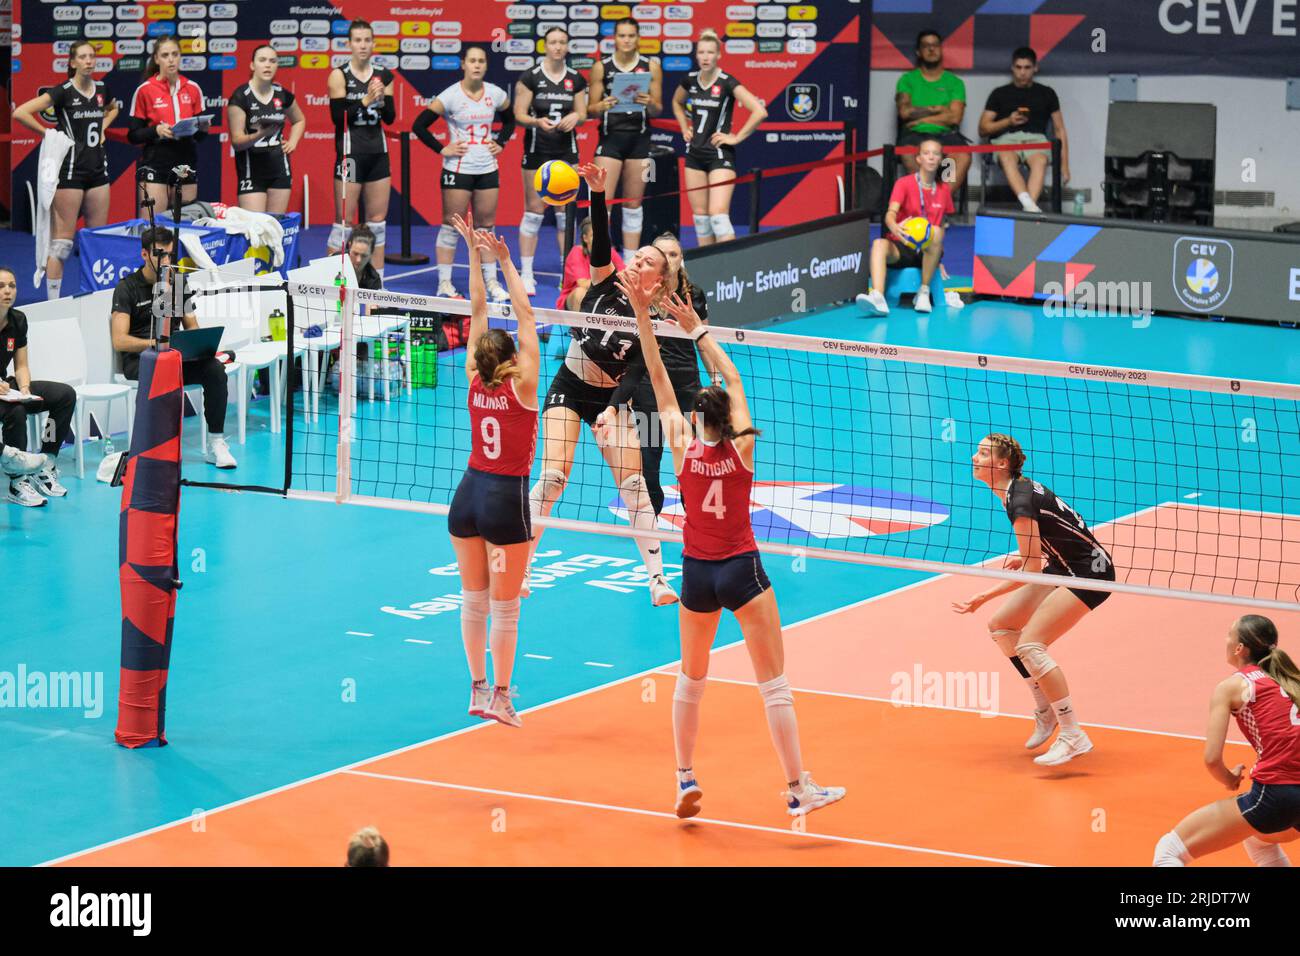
(490, 429)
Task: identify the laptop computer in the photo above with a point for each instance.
(197, 343)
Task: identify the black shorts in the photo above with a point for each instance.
(1094, 599)
(624, 145)
(952, 138)
(732, 583)
(569, 391)
(260, 170)
(471, 182)
(908, 258)
(363, 168)
(715, 157)
(535, 160)
(1271, 807)
(83, 179)
(492, 507)
(157, 174)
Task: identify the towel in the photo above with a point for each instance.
(54, 149)
(259, 228)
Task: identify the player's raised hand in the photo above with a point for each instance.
(629, 283)
(968, 606)
(594, 175)
(683, 312)
(489, 242)
(465, 226)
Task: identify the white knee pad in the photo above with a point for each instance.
(505, 615)
(1036, 659)
(561, 220)
(777, 693)
(636, 495)
(60, 249)
(1006, 640)
(722, 226)
(632, 219)
(531, 224)
(447, 236)
(1262, 853)
(1170, 851)
(547, 491)
(703, 227)
(689, 691)
(380, 229)
(337, 232)
(474, 605)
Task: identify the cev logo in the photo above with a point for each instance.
(103, 272)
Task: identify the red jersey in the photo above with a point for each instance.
(504, 429)
(715, 485)
(931, 202)
(155, 101)
(576, 267)
(1269, 720)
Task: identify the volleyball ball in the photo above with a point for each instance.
(917, 230)
(556, 182)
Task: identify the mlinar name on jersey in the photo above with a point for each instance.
(712, 469)
(496, 403)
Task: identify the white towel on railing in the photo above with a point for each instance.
(259, 228)
(54, 149)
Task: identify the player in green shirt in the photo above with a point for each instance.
(931, 103)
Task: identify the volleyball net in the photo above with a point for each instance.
(1191, 483)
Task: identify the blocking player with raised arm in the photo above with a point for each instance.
(592, 387)
(713, 458)
(703, 105)
(470, 174)
(1263, 697)
(1052, 539)
(361, 103)
(258, 113)
(81, 109)
(624, 147)
(489, 518)
(550, 103)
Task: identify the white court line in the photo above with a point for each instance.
(596, 664)
(538, 657)
(638, 811)
(901, 705)
(416, 640)
(453, 733)
(1194, 494)
(360, 634)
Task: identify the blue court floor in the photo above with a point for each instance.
(310, 635)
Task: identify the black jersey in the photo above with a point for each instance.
(609, 350)
(679, 355)
(553, 101)
(710, 107)
(1067, 543)
(623, 122)
(365, 128)
(81, 117)
(273, 113)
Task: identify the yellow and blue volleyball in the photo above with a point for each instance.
(918, 233)
(556, 182)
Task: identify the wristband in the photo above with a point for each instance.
(700, 334)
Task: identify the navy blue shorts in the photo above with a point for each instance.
(1094, 599)
(708, 586)
(1271, 807)
(492, 507)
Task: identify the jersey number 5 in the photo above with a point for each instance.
(713, 500)
(490, 429)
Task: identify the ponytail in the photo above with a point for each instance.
(713, 405)
(1259, 634)
(494, 356)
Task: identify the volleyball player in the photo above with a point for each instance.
(1263, 696)
(589, 388)
(82, 109)
(1053, 539)
(361, 102)
(469, 161)
(258, 112)
(703, 105)
(721, 567)
(489, 519)
(624, 148)
(550, 103)
(160, 102)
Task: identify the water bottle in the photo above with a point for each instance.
(1078, 203)
(108, 445)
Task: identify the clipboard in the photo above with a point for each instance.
(625, 87)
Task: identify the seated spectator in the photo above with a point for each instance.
(577, 271)
(924, 195)
(931, 103)
(16, 463)
(54, 397)
(361, 246)
(132, 332)
(367, 848)
(1019, 113)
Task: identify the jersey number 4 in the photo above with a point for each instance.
(713, 500)
(490, 429)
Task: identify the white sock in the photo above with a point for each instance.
(1170, 851)
(1025, 199)
(489, 272)
(53, 288)
(505, 638)
(473, 631)
(925, 289)
(686, 718)
(779, 706)
(1040, 699)
(641, 515)
(527, 262)
(1066, 716)
(444, 271)
(1265, 854)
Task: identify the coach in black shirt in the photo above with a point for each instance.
(1019, 113)
(133, 332)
